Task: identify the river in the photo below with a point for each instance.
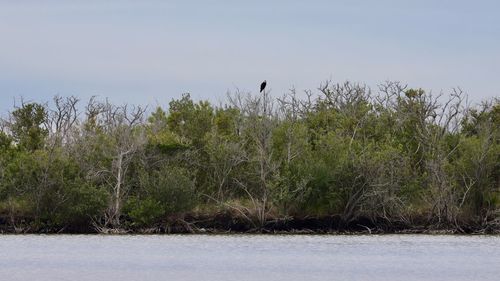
(249, 257)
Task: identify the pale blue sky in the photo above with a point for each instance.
(145, 52)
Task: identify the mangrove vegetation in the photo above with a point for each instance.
(343, 157)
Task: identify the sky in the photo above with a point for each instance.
(149, 52)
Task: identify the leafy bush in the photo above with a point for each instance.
(163, 192)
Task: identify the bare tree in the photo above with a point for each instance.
(116, 134)
(62, 119)
(259, 122)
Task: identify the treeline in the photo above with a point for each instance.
(396, 156)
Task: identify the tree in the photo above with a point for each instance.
(110, 139)
(259, 121)
(28, 126)
(189, 120)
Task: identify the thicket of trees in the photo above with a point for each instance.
(398, 155)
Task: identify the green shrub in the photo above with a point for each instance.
(162, 192)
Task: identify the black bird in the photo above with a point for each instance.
(263, 86)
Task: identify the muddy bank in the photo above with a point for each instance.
(228, 223)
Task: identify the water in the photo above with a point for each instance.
(242, 257)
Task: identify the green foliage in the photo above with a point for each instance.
(190, 120)
(162, 192)
(166, 141)
(5, 141)
(145, 211)
(400, 156)
(161, 137)
(292, 147)
(476, 176)
(27, 127)
(226, 121)
(50, 188)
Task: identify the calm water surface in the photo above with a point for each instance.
(193, 257)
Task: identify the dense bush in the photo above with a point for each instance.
(160, 193)
(400, 155)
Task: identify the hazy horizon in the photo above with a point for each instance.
(149, 52)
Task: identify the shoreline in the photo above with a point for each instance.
(225, 224)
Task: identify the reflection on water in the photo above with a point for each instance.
(242, 257)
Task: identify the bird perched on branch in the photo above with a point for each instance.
(263, 86)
